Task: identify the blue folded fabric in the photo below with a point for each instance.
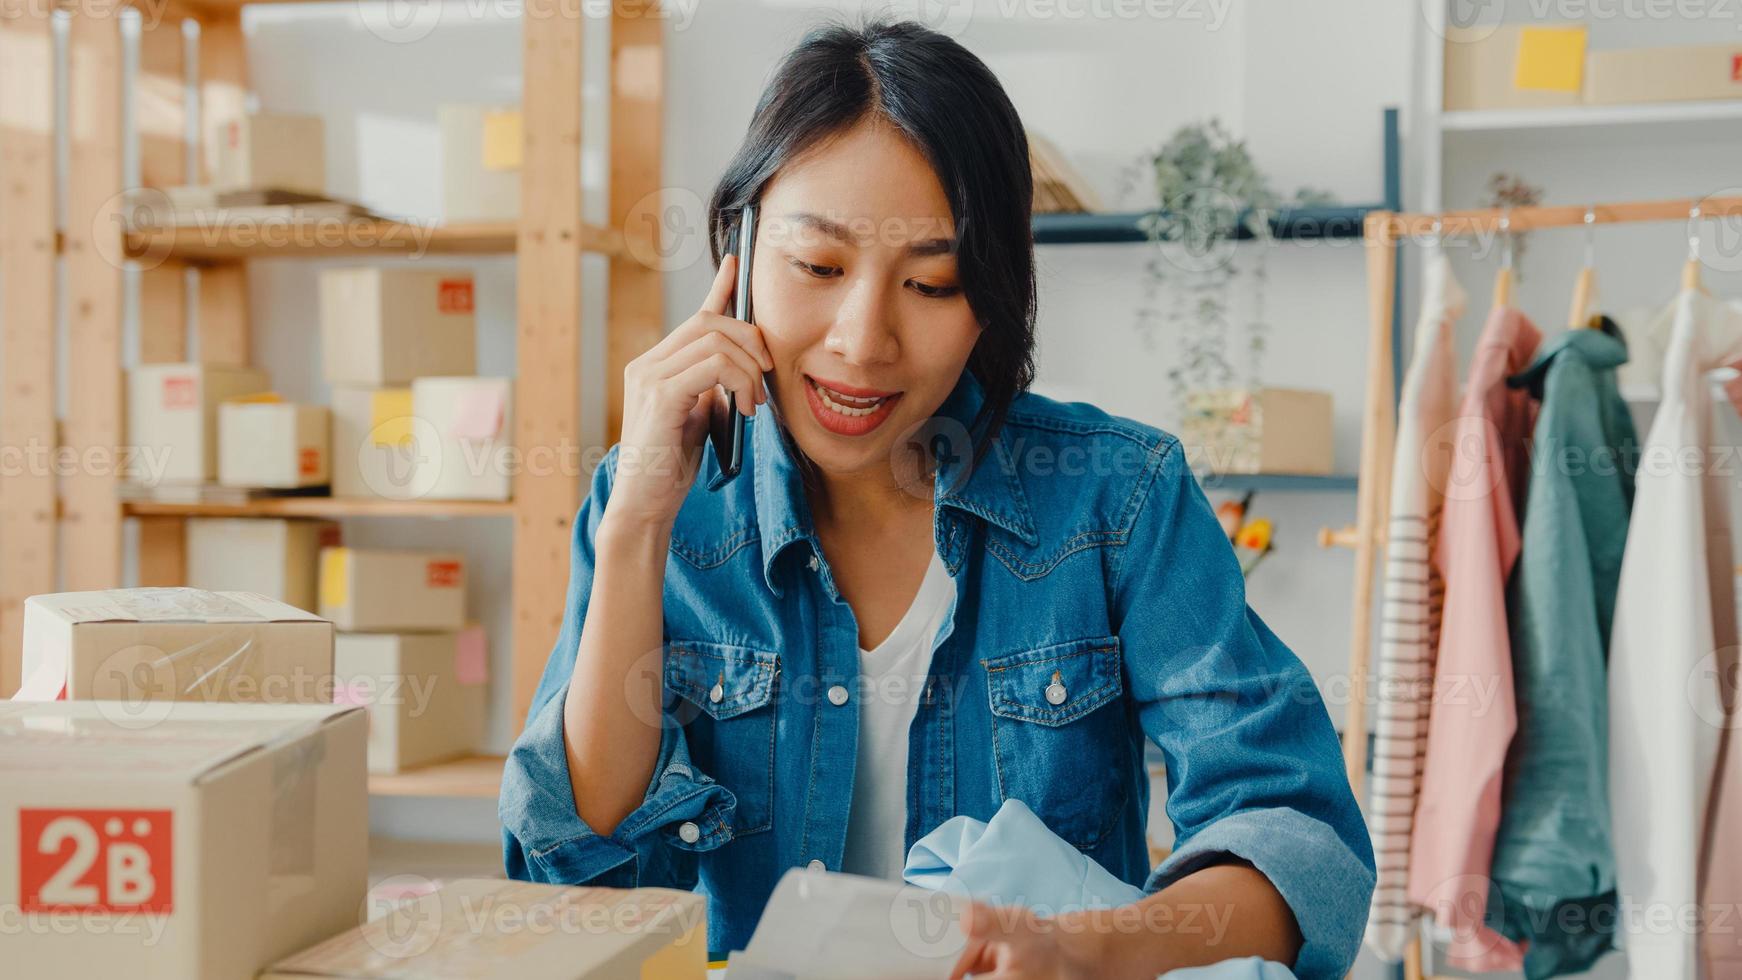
(1016, 860)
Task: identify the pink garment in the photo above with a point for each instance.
(1472, 717)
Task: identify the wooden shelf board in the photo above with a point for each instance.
(1066, 228)
(239, 241)
(322, 507)
(475, 776)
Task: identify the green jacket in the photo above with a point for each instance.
(1554, 866)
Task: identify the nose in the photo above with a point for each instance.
(864, 330)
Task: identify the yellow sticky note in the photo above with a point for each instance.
(390, 417)
(502, 138)
(258, 398)
(335, 577)
(1550, 59)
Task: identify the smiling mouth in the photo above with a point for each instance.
(847, 410)
(852, 406)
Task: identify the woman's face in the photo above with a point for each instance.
(859, 298)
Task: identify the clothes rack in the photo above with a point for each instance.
(1382, 234)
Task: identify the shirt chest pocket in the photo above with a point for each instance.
(726, 696)
(1060, 739)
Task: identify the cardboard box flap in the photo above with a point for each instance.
(484, 927)
(187, 740)
(174, 605)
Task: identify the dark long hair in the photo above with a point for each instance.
(951, 106)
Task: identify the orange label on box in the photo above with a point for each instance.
(180, 393)
(454, 296)
(95, 861)
(308, 462)
(1736, 68)
(443, 574)
(330, 536)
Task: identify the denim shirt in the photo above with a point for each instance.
(1097, 604)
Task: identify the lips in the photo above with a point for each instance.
(848, 410)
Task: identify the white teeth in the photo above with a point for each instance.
(847, 404)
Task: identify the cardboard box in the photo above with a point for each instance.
(1669, 74)
(273, 444)
(272, 151)
(151, 647)
(1481, 71)
(386, 326)
(172, 419)
(462, 435)
(373, 451)
(376, 590)
(481, 155)
(1268, 430)
(424, 692)
(275, 557)
(205, 846)
(484, 927)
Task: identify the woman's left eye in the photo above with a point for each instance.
(933, 291)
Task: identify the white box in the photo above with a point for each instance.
(480, 162)
(150, 647)
(463, 434)
(273, 556)
(204, 846)
(272, 151)
(424, 692)
(490, 927)
(386, 326)
(274, 445)
(373, 452)
(379, 590)
(1686, 72)
(172, 419)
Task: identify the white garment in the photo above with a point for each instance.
(892, 678)
(1675, 606)
(1412, 594)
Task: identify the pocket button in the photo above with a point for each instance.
(689, 833)
(1055, 692)
(837, 695)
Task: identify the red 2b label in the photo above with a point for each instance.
(95, 861)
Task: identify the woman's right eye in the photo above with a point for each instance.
(819, 271)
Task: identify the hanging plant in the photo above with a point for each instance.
(1208, 192)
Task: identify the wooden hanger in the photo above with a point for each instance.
(1691, 268)
(1503, 279)
(1584, 288)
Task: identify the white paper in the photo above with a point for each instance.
(824, 926)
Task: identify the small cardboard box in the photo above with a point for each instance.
(377, 590)
(1481, 71)
(486, 927)
(1268, 430)
(386, 326)
(462, 436)
(272, 151)
(273, 444)
(205, 846)
(424, 692)
(481, 151)
(1668, 74)
(150, 647)
(373, 451)
(273, 556)
(172, 419)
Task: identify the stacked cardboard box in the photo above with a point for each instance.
(275, 557)
(172, 419)
(410, 421)
(406, 652)
(265, 442)
(481, 153)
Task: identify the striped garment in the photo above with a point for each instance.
(1410, 609)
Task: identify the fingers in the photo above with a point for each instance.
(720, 292)
(972, 960)
(746, 335)
(715, 344)
(718, 368)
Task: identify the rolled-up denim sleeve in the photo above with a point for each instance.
(1254, 769)
(544, 838)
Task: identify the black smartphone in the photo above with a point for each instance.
(726, 427)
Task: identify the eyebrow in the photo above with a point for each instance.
(840, 232)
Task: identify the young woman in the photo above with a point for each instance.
(928, 591)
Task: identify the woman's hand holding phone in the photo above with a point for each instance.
(669, 396)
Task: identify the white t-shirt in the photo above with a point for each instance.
(893, 678)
